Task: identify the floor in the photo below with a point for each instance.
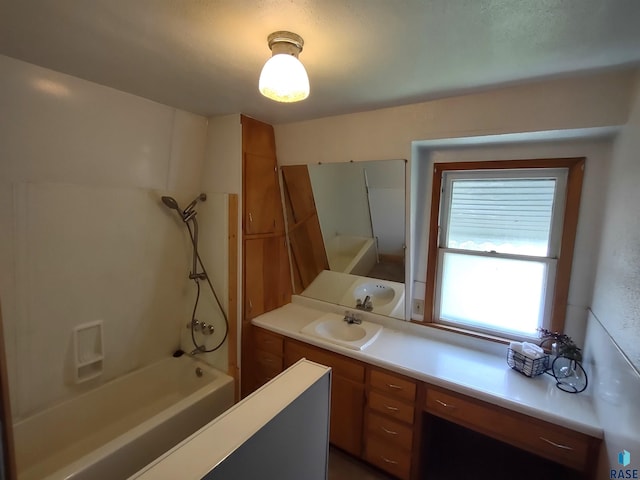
(345, 467)
(392, 271)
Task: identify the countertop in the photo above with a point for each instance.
(483, 375)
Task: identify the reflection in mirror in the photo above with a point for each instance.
(346, 225)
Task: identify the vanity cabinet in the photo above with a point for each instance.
(561, 445)
(347, 392)
(390, 419)
(268, 356)
(386, 418)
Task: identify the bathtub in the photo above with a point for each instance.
(113, 431)
(355, 255)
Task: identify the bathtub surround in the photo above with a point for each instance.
(85, 236)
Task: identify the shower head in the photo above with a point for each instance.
(171, 203)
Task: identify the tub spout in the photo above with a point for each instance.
(196, 351)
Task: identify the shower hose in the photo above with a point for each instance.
(201, 348)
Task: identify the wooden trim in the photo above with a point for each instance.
(575, 165)
(565, 258)
(432, 252)
(10, 470)
(509, 164)
(232, 315)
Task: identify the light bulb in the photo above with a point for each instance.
(284, 79)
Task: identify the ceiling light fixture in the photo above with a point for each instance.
(283, 77)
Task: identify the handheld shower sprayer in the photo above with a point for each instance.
(188, 212)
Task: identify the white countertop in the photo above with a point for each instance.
(472, 372)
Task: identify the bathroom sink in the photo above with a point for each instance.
(385, 297)
(331, 327)
(379, 293)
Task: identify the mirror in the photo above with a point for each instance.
(346, 227)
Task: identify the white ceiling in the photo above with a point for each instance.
(206, 56)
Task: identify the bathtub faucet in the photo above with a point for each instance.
(365, 304)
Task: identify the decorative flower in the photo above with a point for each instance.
(566, 346)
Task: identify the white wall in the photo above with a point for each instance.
(616, 299)
(84, 234)
(581, 102)
(614, 386)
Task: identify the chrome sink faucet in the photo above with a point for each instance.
(365, 304)
(352, 318)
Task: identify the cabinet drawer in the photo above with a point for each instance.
(394, 385)
(387, 457)
(391, 432)
(550, 441)
(391, 407)
(340, 365)
(267, 341)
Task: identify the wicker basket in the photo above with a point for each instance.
(525, 365)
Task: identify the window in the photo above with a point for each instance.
(501, 245)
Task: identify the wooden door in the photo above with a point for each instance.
(262, 207)
(267, 283)
(299, 191)
(347, 405)
(309, 256)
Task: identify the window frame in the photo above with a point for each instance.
(564, 258)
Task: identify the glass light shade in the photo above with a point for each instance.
(284, 79)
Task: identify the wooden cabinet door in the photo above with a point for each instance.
(347, 393)
(299, 192)
(347, 405)
(267, 283)
(309, 256)
(262, 205)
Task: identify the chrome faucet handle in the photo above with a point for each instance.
(351, 318)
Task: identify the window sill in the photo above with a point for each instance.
(464, 331)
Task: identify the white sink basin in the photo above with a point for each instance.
(386, 297)
(332, 328)
(379, 293)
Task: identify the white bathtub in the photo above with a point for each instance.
(116, 429)
(355, 255)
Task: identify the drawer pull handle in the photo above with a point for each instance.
(393, 409)
(390, 432)
(394, 387)
(386, 460)
(445, 405)
(266, 360)
(557, 445)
